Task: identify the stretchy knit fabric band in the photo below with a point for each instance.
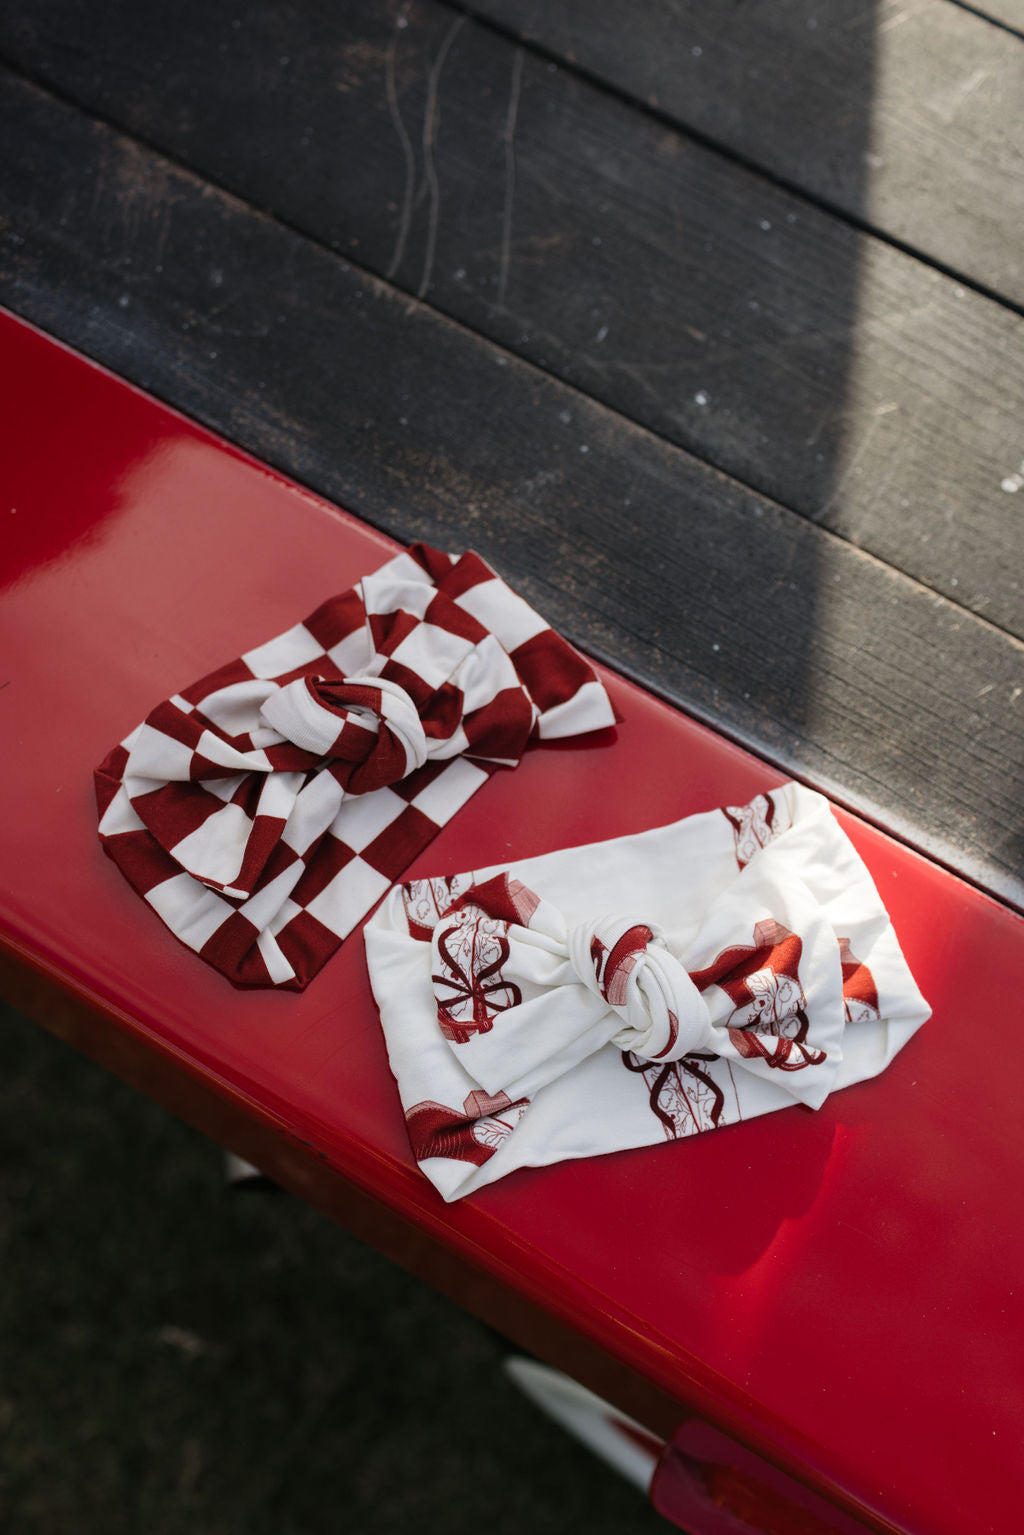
(637, 990)
(263, 811)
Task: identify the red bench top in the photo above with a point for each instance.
(841, 1289)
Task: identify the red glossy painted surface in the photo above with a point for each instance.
(707, 1484)
(841, 1290)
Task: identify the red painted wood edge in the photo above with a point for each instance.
(839, 1291)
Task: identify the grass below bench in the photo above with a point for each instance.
(178, 1357)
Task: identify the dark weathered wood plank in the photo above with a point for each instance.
(771, 628)
(815, 364)
(905, 113)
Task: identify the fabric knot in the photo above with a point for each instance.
(245, 809)
(791, 952)
(367, 723)
(627, 963)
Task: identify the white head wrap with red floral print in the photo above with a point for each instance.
(637, 990)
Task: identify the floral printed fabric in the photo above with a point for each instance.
(263, 811)
(638, 990)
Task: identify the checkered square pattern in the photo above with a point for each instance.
(265, 809)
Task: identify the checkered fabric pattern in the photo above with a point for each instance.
(263, 811)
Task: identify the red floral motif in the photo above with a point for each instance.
(427, 900)
(753, 826)
(683, 1094)
(503, 897)
(860, 995)
(471, 1136)
(769, 1018)
(471, 990)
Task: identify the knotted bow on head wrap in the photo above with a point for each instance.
(529, 1018)
(263, 811)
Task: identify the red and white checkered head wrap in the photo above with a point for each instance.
(265, 809)
(638, 990)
